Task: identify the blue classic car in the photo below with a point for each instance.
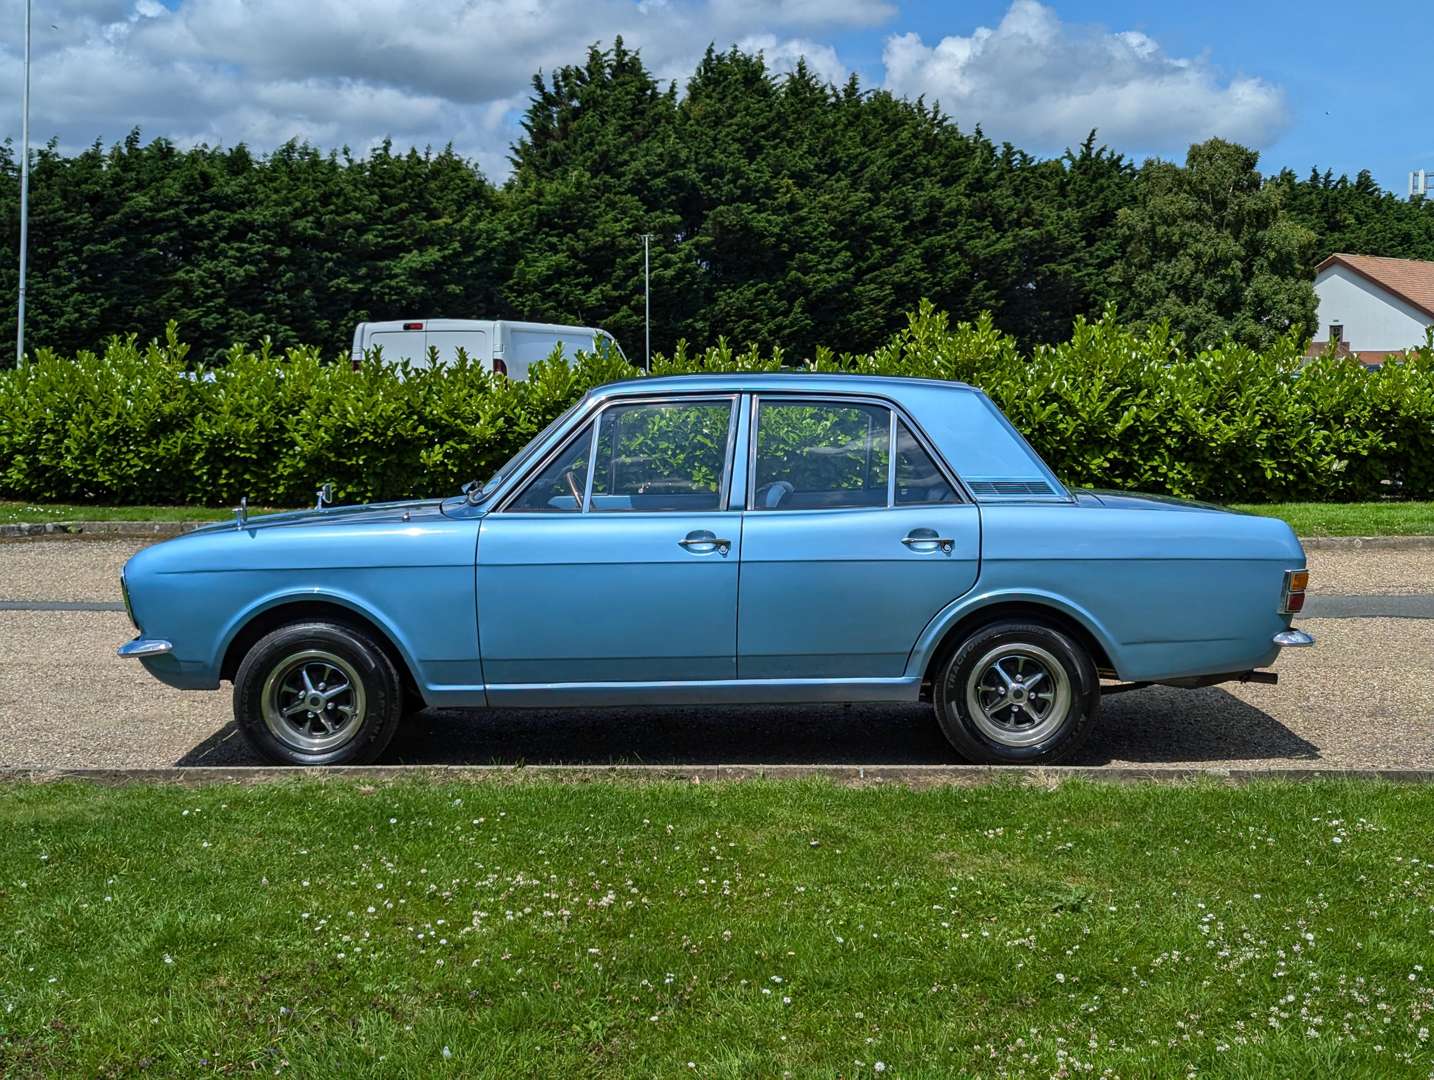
(723, 539)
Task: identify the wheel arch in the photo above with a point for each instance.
(284, 610)
(946, 633)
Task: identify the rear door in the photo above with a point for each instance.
(848, 550)
(398, 345)
(474, 344)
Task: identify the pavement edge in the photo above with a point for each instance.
(848, 775)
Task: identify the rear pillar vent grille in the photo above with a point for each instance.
(1010, 487)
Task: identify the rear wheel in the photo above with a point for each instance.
(318, 693)
(1017, 693)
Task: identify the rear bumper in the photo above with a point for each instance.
(1293, 639)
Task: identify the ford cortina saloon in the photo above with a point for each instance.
(722, 539)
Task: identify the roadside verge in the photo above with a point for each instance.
(916, 776)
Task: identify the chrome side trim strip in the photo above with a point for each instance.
(698, 692)
(144, 647)
(1293, 639)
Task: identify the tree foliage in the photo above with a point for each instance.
(1207, 248)
(786, 212)
(1112, 406)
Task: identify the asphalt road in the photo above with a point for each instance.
(1362, 698)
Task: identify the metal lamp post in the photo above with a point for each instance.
(24, 193)
(646, 303)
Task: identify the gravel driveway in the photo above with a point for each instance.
(1363, 698)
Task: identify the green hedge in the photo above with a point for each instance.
(1111, 407)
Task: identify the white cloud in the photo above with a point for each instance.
(351, 72)
(1044, 84)
(782, 56)
(355, 71)
(803, 12)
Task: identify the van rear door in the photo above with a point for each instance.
(400, 345)
(474, 344)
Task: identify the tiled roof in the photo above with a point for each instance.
(1412, 280)
(1368, 357)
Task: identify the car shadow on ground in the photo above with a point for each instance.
(1157, 725)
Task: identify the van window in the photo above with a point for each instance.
(530, 346)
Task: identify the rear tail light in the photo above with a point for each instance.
(499, 368)
(1292, 599)
(355, 363)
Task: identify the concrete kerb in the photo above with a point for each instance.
(1356, 543)
(913, 776)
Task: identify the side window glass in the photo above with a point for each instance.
(661, 456)
(814, 455)
(559, 488)
(918, 480)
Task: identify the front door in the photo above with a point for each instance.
(616, 564)
(848, 550)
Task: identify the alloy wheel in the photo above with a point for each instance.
(1018, 694)
(313, 701)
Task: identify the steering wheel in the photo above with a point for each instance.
(771, 496)
(571, 477)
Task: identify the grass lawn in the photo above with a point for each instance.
(1308, 519)
(529, 928)
(13, 512)
(1352, 519)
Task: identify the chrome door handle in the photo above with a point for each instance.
(702, 542)
(927, 540)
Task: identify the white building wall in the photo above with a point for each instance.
(1373, 319)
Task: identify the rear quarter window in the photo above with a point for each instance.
(986, 452)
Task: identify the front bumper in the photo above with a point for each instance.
(143, 646)
(1293, 639)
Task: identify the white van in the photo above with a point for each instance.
(499, 345)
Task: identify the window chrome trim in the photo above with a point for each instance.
(595, 417)
(891, 458)
(586, 504)
(958, 486)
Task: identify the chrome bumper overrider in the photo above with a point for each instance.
(144, 647)
(1293, 639)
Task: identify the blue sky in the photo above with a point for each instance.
(1356, 77)
(1312, 83)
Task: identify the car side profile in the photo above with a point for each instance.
(719, 539)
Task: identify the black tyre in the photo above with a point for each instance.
(1017, 693)
(318, 693)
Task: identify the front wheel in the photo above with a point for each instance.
(1017, 693)
(318, 693)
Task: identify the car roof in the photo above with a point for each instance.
(810, 382)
